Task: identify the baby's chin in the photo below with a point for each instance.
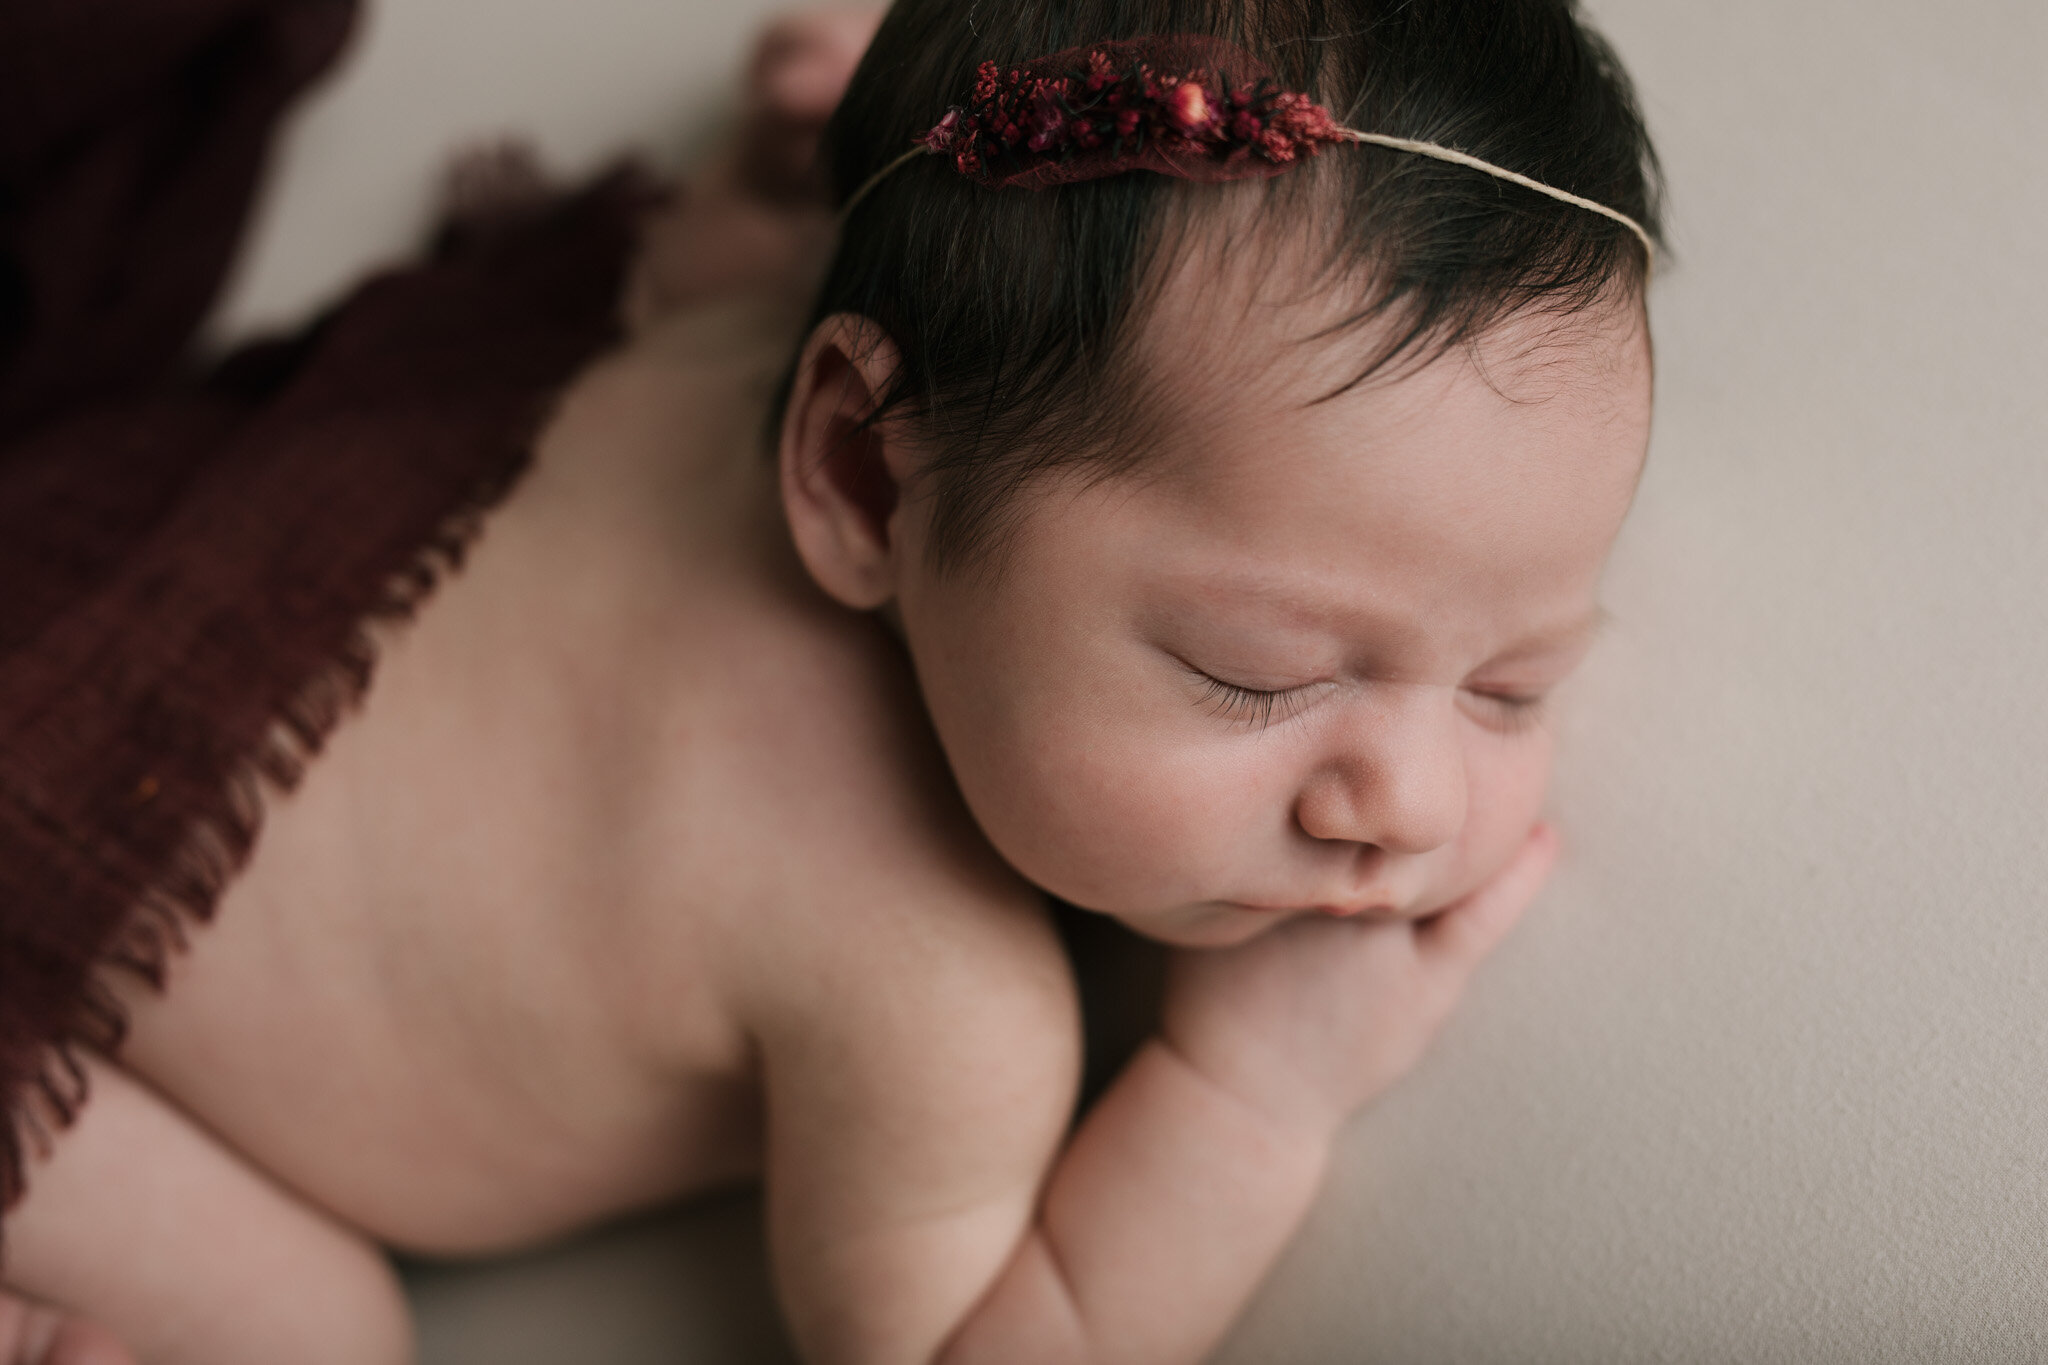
(1206, 924)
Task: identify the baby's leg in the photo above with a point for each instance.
(142, 1221)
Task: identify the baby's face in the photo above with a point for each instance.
(1298, 665)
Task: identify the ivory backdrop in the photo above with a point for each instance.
(1763, 1077)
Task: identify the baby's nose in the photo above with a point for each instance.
(1394, 776)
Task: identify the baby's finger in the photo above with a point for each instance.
(1468, 931)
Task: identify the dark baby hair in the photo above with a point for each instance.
(1009, 307)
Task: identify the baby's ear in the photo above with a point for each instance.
(842, 475)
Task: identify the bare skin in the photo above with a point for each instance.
(655, 861)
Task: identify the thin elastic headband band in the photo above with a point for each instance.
(868, 186)
(1093, 112)
(1458, 158)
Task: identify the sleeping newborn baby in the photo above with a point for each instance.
(1174, 505)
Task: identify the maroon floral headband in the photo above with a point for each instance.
(1190, 107)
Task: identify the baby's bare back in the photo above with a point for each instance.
(493, 971)
(629, 809)
(429, 1004)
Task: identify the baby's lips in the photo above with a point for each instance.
(1377, 910)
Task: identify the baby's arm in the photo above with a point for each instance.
(909, 1228)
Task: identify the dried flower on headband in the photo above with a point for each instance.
(1194, 108)
(1191, 107)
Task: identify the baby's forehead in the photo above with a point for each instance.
(1449, 485)
(1516, 409)
(1253, 316)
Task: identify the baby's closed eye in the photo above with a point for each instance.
(1509, 709)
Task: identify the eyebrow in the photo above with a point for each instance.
(1581, 629)
(1314, 608)
(1586, 627)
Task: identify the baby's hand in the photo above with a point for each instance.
(1310, 1021)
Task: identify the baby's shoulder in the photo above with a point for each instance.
(883, 923)
(785, 780)
(920, 1022)
(888, 912)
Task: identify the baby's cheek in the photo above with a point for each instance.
(1120, 825)
(1506, 788)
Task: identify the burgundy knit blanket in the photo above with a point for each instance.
(188, 559)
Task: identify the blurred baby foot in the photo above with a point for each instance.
(803, 61)
(705, 246)
(759, 217)
(799, 71)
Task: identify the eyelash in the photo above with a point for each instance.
(1247, 704)
(1261, 709)
(1517, 714)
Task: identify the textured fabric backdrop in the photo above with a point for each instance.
(1766, 1076)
